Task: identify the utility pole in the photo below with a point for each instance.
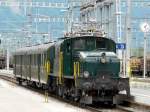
(73, 6)
(145, 28)
(118, 20)
(119, 34)
(128, 37)
(145, 50)
(70, 16)
(29, 15)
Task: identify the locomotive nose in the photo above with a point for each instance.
(95, 63)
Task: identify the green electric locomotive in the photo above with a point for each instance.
(82, 68)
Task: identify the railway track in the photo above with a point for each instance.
(131, 106)
(128, 106)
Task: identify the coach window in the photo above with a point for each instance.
(17, 60)
(42, 59)
(32, 57)
(25, 59)
(36, 59)
(39, 59)
(22, 60)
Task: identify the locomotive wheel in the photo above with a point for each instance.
(33, 84)
(110, 103)
(28, 83)
(82, 105)
(60, 91)
(20, 81)
(76, 96)
(39, 85)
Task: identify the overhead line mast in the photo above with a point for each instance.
(128, 37)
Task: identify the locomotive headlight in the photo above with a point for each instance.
(86, 74)
(103, 60)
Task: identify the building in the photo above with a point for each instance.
(111, 15)
(103, 13)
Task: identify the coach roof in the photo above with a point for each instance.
(37, 49)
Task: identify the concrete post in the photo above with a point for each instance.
(7, 59)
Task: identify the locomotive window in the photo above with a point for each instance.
(79, 44)
(89, 42)
(101, 44)
(105, 45)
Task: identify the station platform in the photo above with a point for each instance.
(140, 82)
(140, 90)
(7, 72)
(14, 98)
